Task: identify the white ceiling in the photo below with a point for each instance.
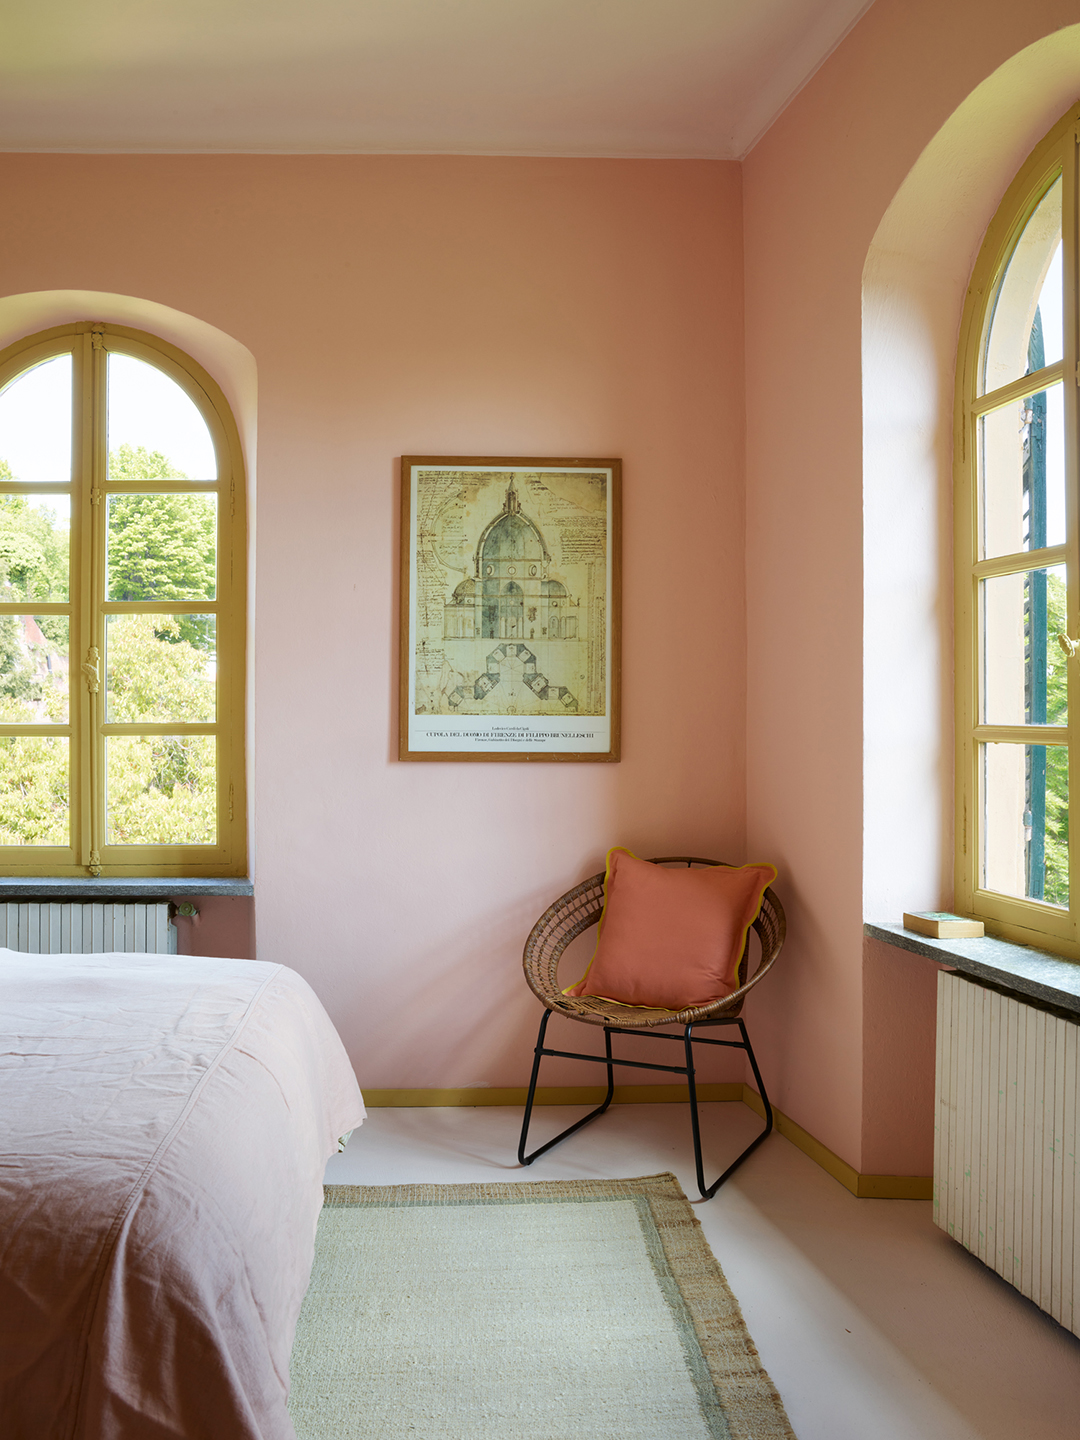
(694, 78)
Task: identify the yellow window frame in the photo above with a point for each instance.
(1026, 921)
(89, 345)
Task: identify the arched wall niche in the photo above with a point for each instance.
(233, 366)
(915, 281)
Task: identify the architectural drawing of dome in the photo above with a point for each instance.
(513, 597)
(511, 537)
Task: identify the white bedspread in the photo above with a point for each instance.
(164, 1125)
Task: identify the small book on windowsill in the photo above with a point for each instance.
(940, 925)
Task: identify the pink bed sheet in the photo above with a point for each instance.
(164, 1126)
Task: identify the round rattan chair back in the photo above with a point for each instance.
(573, 913)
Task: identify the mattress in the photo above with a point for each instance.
(164, 1126)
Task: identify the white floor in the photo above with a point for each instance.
(871, 1322)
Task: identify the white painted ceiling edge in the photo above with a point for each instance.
(654, 79)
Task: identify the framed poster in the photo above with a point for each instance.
(509, 608)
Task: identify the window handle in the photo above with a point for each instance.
(90, 670)
(1069, 646)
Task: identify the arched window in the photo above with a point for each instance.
(1016, 561)
(122, 610)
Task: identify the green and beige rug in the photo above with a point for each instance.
(557, 1310)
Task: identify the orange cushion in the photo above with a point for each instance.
(670, 938)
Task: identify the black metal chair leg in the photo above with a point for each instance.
(760, 1082)
(532, 1088)
(711, 1191)
(691, 1082)
(524, 1159)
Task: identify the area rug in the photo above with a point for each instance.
(551, 1310)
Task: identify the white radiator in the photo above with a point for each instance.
(77, 928)
(1005, 1167)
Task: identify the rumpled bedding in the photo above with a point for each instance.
(164, 1126)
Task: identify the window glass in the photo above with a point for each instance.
(34, 786)
(34, 548)
(1025, 825)
(155, 429)
(1022, 474)
(1030, 286)
(35, 424)
(161, 668)
(34, 669)
(161, 790)
(1023, 667)
(162, 547)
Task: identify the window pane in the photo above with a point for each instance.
(162, 547)
(1026, 821)
(35, 424)
(155, 430)
(34, 807)
(160, 668)
(161, 790)
(34, 547)
(1026, 326)
(1023, 666)
(1022, 474)
(33, 669)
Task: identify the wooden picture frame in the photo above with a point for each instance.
(510, 608)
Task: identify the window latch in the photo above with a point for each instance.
(90, 670)
(1069, 646)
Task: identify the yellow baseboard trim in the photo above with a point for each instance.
(551, 1095)
(866, 1187)
(896, 1187)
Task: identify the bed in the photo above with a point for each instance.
(164, 1128)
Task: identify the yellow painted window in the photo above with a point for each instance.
(1016, 561)
(122, 611)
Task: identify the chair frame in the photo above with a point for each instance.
(570, 916)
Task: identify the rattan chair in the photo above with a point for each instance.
(569, 917)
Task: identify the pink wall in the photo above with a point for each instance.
(816, 190)
(221, 926)
(900, 1009)
(443, 305)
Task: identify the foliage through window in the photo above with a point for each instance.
(121, 610)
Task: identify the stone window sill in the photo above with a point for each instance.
(160, 887)
(1019, 968)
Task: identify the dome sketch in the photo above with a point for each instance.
(513, 596)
